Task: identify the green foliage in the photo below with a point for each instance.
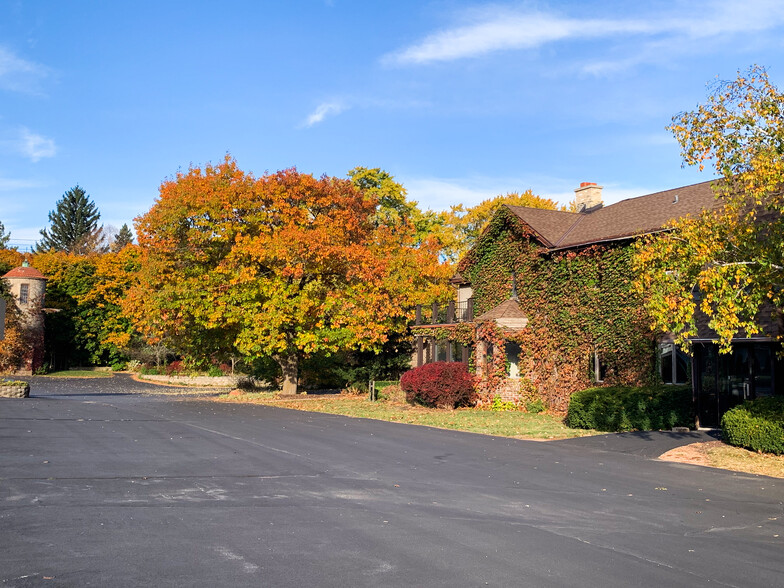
(757, 425)
(626, 408)
(357, 368)
(124, 237)
(500, 405)
(393, 207)
(74, 225)
(4, 237)
(87, 328)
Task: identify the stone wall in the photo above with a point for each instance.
(14, 389)
(215, 381)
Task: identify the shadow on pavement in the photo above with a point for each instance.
(643, 443)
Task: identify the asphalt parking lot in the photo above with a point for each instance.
(111, 483)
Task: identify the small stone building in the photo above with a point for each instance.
(28, 287)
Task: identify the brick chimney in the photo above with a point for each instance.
(588, 196)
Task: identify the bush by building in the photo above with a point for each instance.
(757, 425)
(440, 384)
(626, 408)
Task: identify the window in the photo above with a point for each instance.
(598, 367)
(24, 293)
(441, 351)
(457, 351)
(513, 358)
(675, 364)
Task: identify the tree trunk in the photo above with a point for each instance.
(289, 365)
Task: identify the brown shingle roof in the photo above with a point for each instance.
(508, 309)
(25, 272)
(627, 218)
(549, 225)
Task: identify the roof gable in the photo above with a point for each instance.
(507, 314)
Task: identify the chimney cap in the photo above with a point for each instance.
(584, 184)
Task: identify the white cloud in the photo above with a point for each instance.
(441, 193)
(504, 31)
(36, 147)
(323, 111)
(20, 75)
(498, 29)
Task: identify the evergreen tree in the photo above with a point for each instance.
(74, 224)
(4, 237)
(124, 237)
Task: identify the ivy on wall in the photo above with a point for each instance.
(577, 301)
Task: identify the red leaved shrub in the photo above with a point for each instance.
(440, 384)
(175, 368)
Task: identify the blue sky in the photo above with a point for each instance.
(458, 100)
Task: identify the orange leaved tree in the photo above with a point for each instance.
(281, 266)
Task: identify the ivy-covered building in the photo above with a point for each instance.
(546, 307)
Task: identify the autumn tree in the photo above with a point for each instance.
(74, 225)
(467, 223)
(727, 262)
(282, 266)
(89, 326)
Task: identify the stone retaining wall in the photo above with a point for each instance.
(14, 390)
(215, 381)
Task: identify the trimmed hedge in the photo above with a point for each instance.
(756, 424)
(626, 408)
(440, 384)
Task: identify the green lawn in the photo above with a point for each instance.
(78, 374)
(516, 424)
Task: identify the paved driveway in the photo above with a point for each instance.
(105, 484)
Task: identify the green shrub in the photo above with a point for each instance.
(626, 408)
(500, 405)
(757, 425)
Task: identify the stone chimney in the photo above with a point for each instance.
(588, 196)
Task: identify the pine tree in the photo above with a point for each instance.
(4, 237)
(124, 237)
(74, 224)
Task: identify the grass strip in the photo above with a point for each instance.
(78, 374)
(516, 424)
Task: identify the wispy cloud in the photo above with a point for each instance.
(323, 111)
(441, 193)
(494, 29)
(20, 75)
(35, 147)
